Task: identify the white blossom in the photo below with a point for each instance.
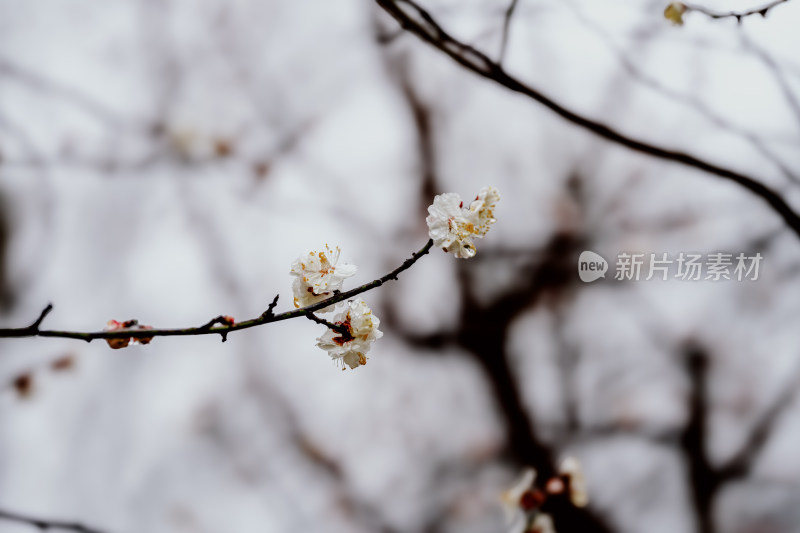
(542, 524)
(317, 275)
(571, 468)
(362, 330)
(452, 226)
(483, 207)
(523, 504)
(512, 497)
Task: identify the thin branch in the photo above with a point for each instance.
(45, 525)
(212, 327)
(271, 308)
(506, 27)
(42, 316)
(421, 23)
(222, 320)
(738, 15)
(28, 331)
(338, 328)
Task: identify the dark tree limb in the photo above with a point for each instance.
(418, 21)
(705, 481)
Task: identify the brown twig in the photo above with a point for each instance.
(212, 327)
(338, 328)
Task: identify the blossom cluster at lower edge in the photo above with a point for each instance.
(524, 502)
(351, 348)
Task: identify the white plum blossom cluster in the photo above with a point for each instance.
(317, 276)
(453, 226)
(524, 501)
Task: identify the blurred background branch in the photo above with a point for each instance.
(423, 25)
